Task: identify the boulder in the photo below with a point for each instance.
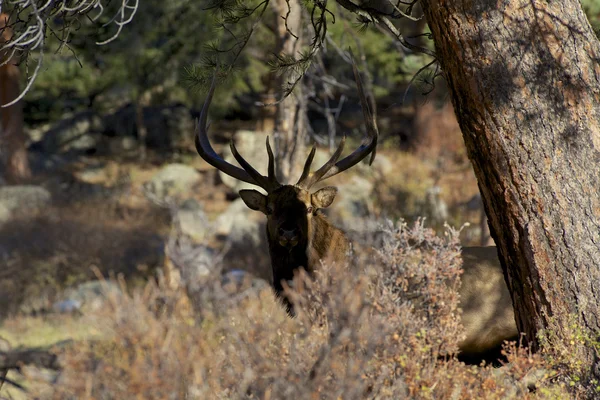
(193, 222)
(433, 206)
(173, 180)
(240, 224)
(191, 263)
(238, 281)
(86, 297)
(22, 199)
(353, 203)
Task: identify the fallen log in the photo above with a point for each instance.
(15, 359)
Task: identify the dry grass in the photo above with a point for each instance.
(375, 329)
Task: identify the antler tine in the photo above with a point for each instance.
(260, 180)
(330, 169)
(318, 174)
(370, 121)
(206, 151)
(307, 163)
(271, 174)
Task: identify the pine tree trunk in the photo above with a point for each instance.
(525, 83)
(289, 130)
(12, 138)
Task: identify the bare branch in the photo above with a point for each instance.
(30, 20)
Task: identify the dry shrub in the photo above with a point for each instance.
(376, 328)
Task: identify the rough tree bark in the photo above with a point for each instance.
(290, 118)
(13, 149)
(524, 78)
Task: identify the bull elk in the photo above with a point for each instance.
(299, 235)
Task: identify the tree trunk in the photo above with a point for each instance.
(13, 148)
(290, 119)
(525, 83)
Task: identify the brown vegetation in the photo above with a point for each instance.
(372, 329)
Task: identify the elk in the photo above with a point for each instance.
(298, 234)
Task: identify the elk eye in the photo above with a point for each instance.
(309, 210)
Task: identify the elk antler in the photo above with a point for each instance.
(248, 174)
(333, 166)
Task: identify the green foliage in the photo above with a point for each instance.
(592, 10)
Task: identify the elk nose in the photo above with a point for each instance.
(288, 238)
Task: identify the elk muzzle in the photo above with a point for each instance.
(288, 238)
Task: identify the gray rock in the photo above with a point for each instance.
(239, 281)
(22, 199)
(173, 180)
(193, 222)
(86, 297)
(240, 224)
(80, 132)
(352, 206)
(433, 206)
(194, 263)
(67, 306)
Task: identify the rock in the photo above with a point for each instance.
(86, 297)
(239, 281)
(80, 132)
(22, 199)
(173, 180)
(434, 207)
(240, 224)
(251, 145)
(193, 263)
(66, 306)
(193, 222)
(352, 206)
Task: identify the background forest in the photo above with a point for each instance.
(91, 244)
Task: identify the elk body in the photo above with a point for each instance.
(299, 235)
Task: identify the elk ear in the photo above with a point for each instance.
(254, 199)
(323, 198)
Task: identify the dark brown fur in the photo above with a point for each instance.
(295, 209)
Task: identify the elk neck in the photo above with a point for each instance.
(324, 242)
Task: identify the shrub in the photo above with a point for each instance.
(384, 327)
